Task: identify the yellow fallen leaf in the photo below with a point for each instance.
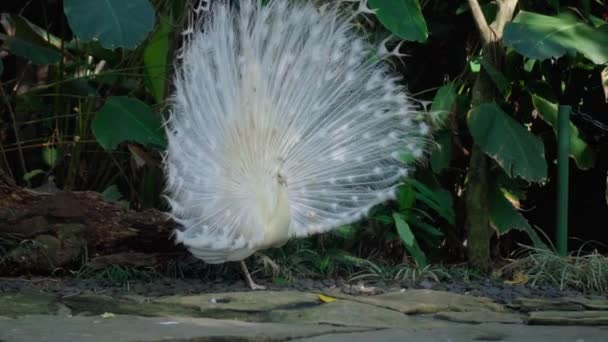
(326, 299)
(107, 315)
(518, 279)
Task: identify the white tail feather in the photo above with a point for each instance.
(282, 126)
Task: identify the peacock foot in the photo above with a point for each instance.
(250, 281)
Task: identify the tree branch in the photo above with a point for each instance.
(480, 21)
(506, 8)
(504, 14)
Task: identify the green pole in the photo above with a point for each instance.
(563, 149)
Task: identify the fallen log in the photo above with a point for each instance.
(49, 231)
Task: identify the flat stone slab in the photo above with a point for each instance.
(569, 318)
(245, 301)
(479, 317)
(560, 304)
(348, 313)
(134, 328)
(591, 303)
(481, 332)
(410, 315)
(92, 305)
(28, 303)
(426, 301)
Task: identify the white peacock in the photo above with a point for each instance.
(282, 126)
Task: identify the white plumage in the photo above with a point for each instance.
(283, 125)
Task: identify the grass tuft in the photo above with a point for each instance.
(117, 274)
(586, 272)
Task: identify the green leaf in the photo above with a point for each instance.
(426, 234)
(155, 59)
(114, 23)
(94, 48)
(497, 77)
(324, 263)
(409, 240)
(444, 100)
(112, 194)
(519, 152)
(475, 65)
(540, 37)
(402, 17)
(27, 43)
(426, 228)
(280, 281)
(579, 150)
(123, 119)
(50, 156)
(406, 197)
(441, 155)
(440, 200)
(31, 174)
(529, 65)
(596, 21)
(504, 217)
(383, 218)
(345, 232)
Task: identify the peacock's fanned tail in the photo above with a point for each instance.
(282, 96)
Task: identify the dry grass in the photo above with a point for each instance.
(582, 271)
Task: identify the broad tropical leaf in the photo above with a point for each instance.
(114, 23)
(123, 119)
(155, 60)
(497, 77)
(444, 101)
(579, 150)
(504, 217)
(540, 36)
(28, 43)
(519, 152)
(402, 17)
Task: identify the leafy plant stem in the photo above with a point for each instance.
(5, 159)
(83, 123)
(15, 128)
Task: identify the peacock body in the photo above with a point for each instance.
(282, 125)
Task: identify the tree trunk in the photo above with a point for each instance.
(478, 211)
(477, 188)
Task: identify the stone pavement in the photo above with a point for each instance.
(408, 315)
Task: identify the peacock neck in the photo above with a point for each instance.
(275, 215)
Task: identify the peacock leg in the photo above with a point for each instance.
(269, 263)
(250, 282)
